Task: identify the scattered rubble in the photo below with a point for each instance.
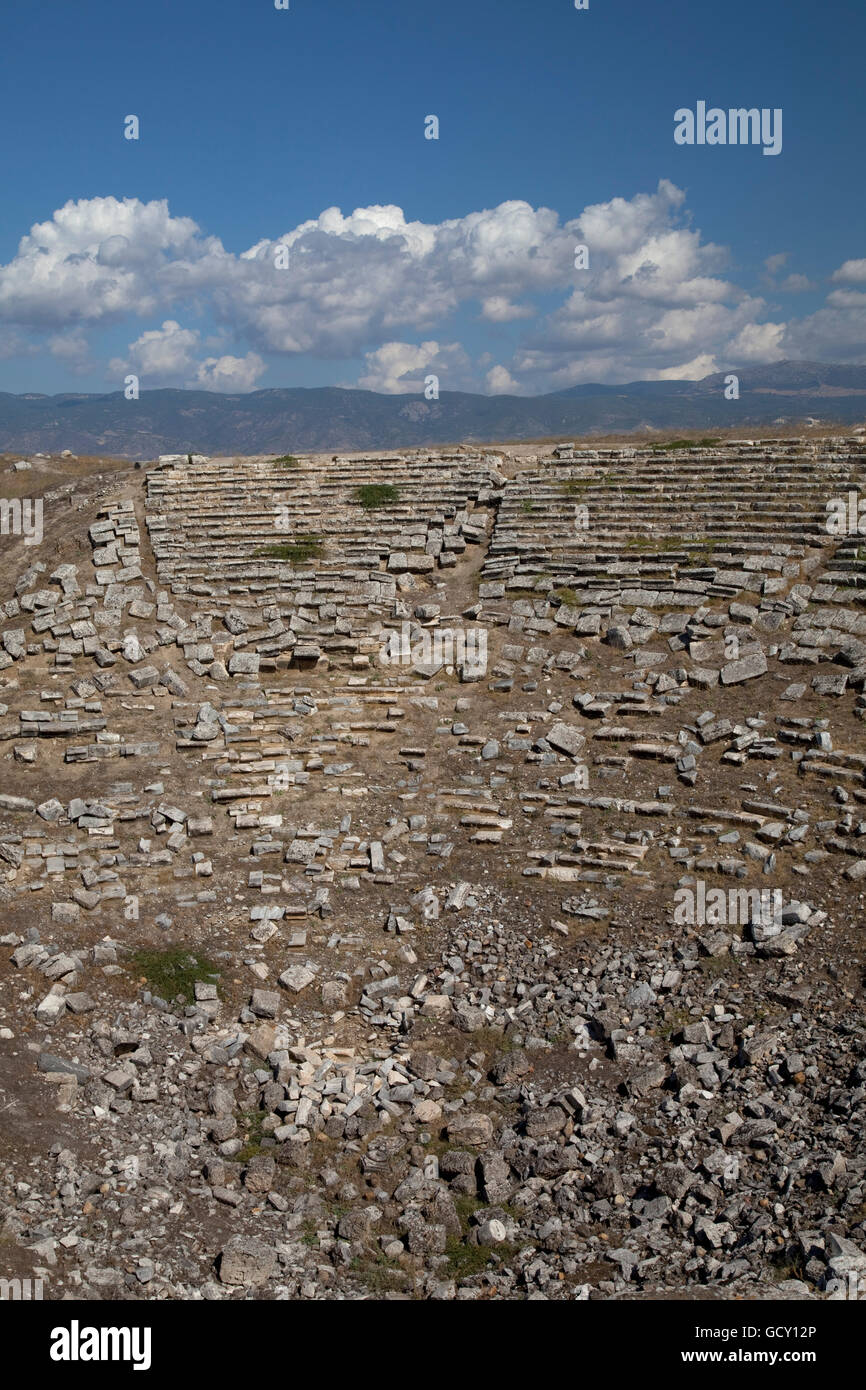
(368, 978)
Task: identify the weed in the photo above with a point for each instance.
(172, 971)
(655, 543)
(251, 1122)
(371, 496)
(706, 443)
(469, 1260)
(301, 549)
(674, 1023)
(714, 966)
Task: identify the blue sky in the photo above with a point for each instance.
(156, 256)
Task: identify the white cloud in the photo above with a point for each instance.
(500, 382)
(499, 309)
(703, 365)
(230, 373)
(796, 284)
(167, 356)
(837, 331)
(160, 355)
(102, 258)
(655, 302)
(852, 273)
(72, 349)
(401, 368)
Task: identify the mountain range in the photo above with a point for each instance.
(331, 418)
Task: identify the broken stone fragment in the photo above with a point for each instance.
(746, 668)
(297, 977)
(472, 1127)
(565, 738)
(247, 1261)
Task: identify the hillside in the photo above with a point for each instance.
(333, 418)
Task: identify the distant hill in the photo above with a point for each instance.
(331, 418)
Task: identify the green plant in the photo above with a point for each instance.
(655, 543)
(302, 548)
(251, 1122)
(172, 971)
(370, 496)
(468, 1260)
(287, 461)
(706, 443)
(701, 552)
(379, 1274)
(674, 1023)
(310, 1236)
(714, 966)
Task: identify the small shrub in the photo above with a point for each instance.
(656, 544)
(706, 443)
(299, 550)
(371, 496)
(251, 1122)
(172, 971)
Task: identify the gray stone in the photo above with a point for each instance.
(247, 1261)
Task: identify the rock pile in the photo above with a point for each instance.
(536, 977)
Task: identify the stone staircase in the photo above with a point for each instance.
(212, 523)
(666, 529)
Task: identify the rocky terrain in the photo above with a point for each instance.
(436, 876)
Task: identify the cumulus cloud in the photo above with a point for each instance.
(656, 299)
(160, 354)
(229, 373)
(499, 309)
(72, 349)
(796, 284)
(353, 280)
(653, 303)
(401, 368)
(835, 333)
(167, 356)
(103, 258)
(792, 284)
(851, 273)
(500, 382)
